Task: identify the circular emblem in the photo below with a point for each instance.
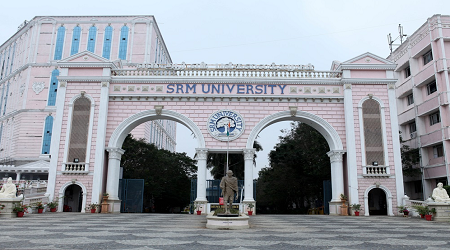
(225, 125)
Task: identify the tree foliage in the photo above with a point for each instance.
(298, 167)
(217, 163)
(410, 158)
(166, 175)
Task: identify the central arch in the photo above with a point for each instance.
(325, 129)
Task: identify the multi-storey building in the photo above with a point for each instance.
(423, 92)
(29, 81)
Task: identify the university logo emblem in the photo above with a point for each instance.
(225, 125)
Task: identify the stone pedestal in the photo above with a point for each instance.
(442, 211)
(344, 209)
(215, 222)
(7, 212)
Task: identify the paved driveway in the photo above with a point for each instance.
(180, 231)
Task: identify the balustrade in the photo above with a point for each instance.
(376, 171)
(75, 167)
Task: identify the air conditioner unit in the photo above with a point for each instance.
(413, 135)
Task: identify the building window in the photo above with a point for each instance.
(47, 135)
(59, 43)
(53, 90)
(79, 129)
(435, 118)
(427, 57)
(407, 72)
(412, 129)
(107, 42)
(6, 98)
(438, 151)
(410, 99)
(75, 40)
(373, 136)
(91, 39)
(431, 87)
(123, 43)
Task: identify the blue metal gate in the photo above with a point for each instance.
(131, 193)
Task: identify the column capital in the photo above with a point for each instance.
(249, 153)
(335, 155)
(202, 153)
(115, 153)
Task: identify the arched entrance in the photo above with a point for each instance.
(377, 202)
(73, 198)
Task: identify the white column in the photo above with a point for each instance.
(202, 154)
(97, 183)
(56, 138)
(337, 175)
(396, 144)
(350, 145)
(248, 179)
(112, 183)
(18, 174)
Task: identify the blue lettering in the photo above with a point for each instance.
(249, 88)
(259, 89)
(170, 87)
(180, 88)
(240, 89)
(282, 88)
(265, 89)
(230, 89)
(272, 86)
(193, 88)
(215, 88)
(203, 88)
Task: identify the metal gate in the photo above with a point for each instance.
(326, 196)
(131, 193)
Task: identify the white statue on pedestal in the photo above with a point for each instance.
(440, 194)
(8, 190)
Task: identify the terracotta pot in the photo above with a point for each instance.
(53, 209)
(40, 210)
(250, 213)
(199, 212)
(422, 216)
(356, 213)
(20, 214)
(93, 210)
(405, 213)
(428, 217)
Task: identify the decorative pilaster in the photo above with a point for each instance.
(249, 154)
(112, 183)
(337, 180)
(202, 154)
(352, 167)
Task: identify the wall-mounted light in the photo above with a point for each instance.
(374, 163)
(76, 160)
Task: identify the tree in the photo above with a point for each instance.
(166, 175)
(217, 163)
(410, 158)
(298, 167)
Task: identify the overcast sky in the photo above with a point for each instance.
(252, 31)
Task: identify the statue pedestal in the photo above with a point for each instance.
(7, 212)
(442, 211)
(214, 222)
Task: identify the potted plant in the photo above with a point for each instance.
(357, 208)
(343, 199)
(105, 196)
(250, 206)
(20, 209)
(422, 210)
(428, 215)
(40, 206)
(197, 207)
(93, 207)
(53, 205)
(403, 209)
(2, 206)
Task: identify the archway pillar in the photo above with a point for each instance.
(201, 158)
(248, 179)
(337, 180)
(112, 184)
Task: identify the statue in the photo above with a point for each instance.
(229, 186)
(8, 190)
(440, 194)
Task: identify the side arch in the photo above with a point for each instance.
(63, 189)
(125, 127)
(388, 197)
(318, 123)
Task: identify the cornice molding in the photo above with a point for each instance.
(375, 81)
(84, 78)
(262, 81)
(368, 66)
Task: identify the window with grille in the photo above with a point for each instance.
(427, 57)
(79, 129)
(91, 39)
(373, 135)
(47, 135)
(410, 99)
(75, 40)
(107, 42)
(435, 118)
(431, 87)
(123, 43)
(59, 43)
(53, 89)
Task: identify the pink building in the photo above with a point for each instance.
(423, 91)
(106, 91)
